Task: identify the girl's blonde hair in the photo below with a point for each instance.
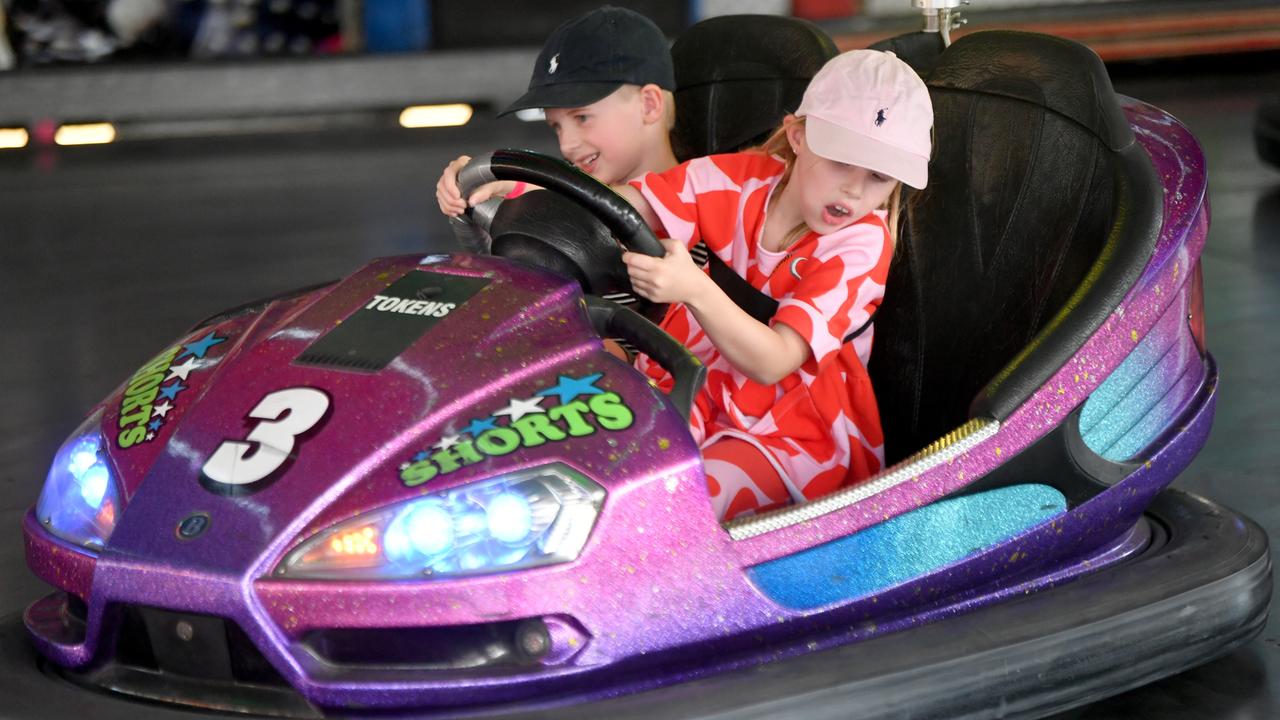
(778, 145)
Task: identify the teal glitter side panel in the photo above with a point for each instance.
(1147, 392)
(904, 547)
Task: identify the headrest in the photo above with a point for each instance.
(738, 75)
(1059, 75)
(750, 47)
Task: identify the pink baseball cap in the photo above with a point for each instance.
(868, 108)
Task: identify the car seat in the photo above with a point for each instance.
(1040, 213)
(738, 75)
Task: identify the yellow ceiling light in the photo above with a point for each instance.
(87, 134)
(13, 138)
(424, 116)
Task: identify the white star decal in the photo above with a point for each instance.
(519, 408)
(151, 436)
(404, 466)
(447, 442)
(161, 410)
(183, 370)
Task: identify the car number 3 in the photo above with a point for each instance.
(284, 415)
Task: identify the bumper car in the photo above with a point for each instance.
(427, 489)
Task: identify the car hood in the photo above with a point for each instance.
(310, 410)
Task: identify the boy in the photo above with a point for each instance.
(605, 82)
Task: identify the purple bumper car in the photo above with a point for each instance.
(427, 489)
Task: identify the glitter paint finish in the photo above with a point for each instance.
(55, 561)
(1149, 389)
(1179, 162)
(914, 543)
(659, 585)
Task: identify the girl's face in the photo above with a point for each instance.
(833, 195)
(603, 139)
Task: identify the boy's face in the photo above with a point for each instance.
(606, 138)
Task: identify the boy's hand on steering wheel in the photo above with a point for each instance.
(672, 278)
(449, 195)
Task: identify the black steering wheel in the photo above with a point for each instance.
(608, 319)
(537, 169)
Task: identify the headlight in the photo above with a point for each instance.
(530, 518)
(80, 500)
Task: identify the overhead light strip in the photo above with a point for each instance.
(426, 116)
(11, 138)
(86, 134)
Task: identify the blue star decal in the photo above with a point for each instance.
(170, 392)
(154, 424)
(201, 346)
(569, 388)
(421, 456)
(478, 427)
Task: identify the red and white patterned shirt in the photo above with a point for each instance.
(820, 425)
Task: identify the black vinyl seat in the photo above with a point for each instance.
(1036, 183)
(738, 75)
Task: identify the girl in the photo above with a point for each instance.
(788, 413)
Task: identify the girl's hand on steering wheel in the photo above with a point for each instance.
(672, 278)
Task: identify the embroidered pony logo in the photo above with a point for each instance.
(555, 63)
(880, 116)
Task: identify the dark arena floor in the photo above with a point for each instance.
(108, 252)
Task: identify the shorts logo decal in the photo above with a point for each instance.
(580, 409)
(141, 417)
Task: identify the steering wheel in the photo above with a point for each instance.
(551, 229)
(537, 169)
(608, 319)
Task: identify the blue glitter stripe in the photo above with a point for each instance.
(904, 547)
(1147, 392)
(1111, 396)
(1160, 417)
(1144, 399)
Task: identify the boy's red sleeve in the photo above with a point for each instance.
(844, 277)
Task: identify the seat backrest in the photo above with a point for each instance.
(1032, 187)
(920, 49)
(738, 75)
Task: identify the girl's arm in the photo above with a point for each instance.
(763, 353)
(642, 206)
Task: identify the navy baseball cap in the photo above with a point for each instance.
(592, 55)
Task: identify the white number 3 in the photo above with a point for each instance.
(271, 440)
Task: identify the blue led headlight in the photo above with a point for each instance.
(81, 500)
(526, 519)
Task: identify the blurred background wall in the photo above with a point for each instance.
(164, 68)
